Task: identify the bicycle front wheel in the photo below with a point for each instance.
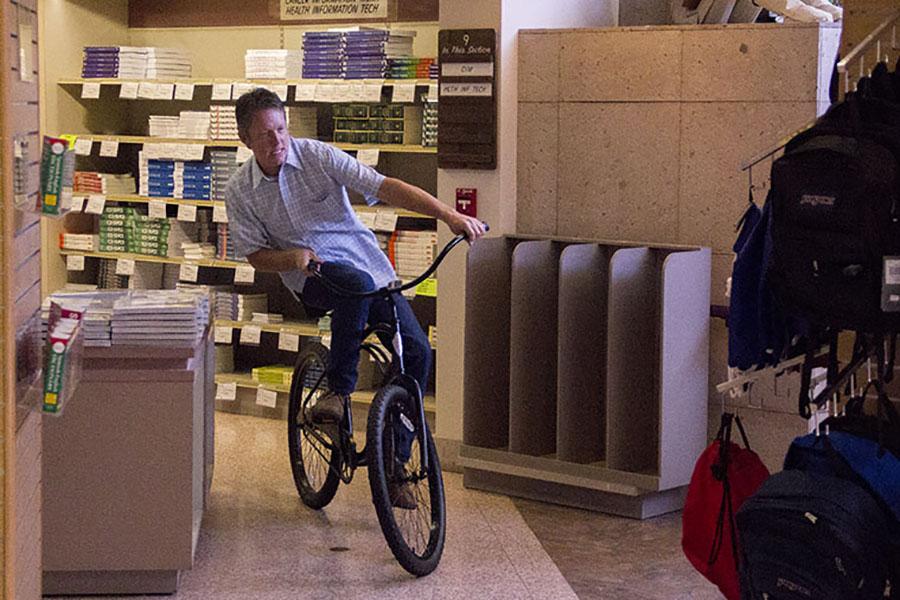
(315, 459)
(415, 533)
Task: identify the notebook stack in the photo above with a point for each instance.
(160, 318)
(167, 63)
(246, 304)
(194, 124)
(225, 244)
(97, 330)
(100, 62)
(410, 68)
(223, 124)
(223, 166)
(107, 278)
(368, 123)
(123, 230)
(273, 64)
(323, 55)
(91, 182)
(78, 241)
(267, 318)
(413, 252)
(434, 70)
(368, 51)
(429, 122)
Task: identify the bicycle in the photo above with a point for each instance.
(320, 463)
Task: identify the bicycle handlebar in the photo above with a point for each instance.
(391, 288)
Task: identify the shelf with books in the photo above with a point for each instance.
(177, 260)
(146, 139)
(207, 82)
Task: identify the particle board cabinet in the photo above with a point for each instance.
(127, 467)
(586, 371)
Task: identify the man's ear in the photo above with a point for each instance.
(243, 137)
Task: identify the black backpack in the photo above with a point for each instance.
(836, 216)
(812, 537)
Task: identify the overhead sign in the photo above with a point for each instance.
(321, 10)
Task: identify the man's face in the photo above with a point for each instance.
(268, 137)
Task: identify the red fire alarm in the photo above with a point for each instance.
(467, 201)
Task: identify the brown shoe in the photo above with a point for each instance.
(328, 409)
(402, 495)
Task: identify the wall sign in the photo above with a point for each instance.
(320, 10)
(467, 118)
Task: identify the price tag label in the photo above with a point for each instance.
(184, 91)
(124, 266)
(187, 212)
(404, 92)
(95, 204)
(165, 91)
(188, 272)
(223, 334)
(432, 92)
(367, 218)
(288, 341)
(239, 89)
(75, 262)
(78, 203)
(281, 91)
(221, 91)
(90, 91)
(385, 220)
(109, 148)
(156, 209)
(373, 92)
(128, 90)
(83, 146)
(244, 274)
(305, 92)
(146, 90)
(220, 214)
(226, 391)
(267, 398)
(326, 340)
(368, 156)
(250, 335)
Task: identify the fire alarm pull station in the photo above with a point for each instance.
(467, 201)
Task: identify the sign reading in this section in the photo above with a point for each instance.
(468, 116)
(318, 10)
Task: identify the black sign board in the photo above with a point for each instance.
(467, 117)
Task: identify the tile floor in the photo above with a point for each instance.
(259, 542)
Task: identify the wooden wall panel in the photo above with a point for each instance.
(236, 13)
(28, 513)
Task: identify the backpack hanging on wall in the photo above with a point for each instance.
(724, 477)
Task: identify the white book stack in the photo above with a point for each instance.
(273, 64)
(267, 318)
(160, 318)
(132, 62)
(222, 122)
(167, 63)
(414, 251)
(163, 126)
(198, 250)
(247, 304)
(194, 124)
(80, 241)
(181, 232)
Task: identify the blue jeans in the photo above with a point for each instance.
(348, 320)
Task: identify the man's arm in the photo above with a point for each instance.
(403, 195)
(278, 261)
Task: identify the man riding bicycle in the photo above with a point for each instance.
(289, 206)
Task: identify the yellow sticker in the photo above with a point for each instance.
(50, 398)
(428, 288)
(69, 138)
(50, 199)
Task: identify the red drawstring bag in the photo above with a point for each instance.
(724, 477)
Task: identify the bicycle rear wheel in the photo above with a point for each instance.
(315, 459)
(415, 536)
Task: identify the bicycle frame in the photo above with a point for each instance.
(400, 378)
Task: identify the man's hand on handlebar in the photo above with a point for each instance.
(470, 227)
(303, 257)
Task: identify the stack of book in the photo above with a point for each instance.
(223, 124)
(107, 278)
(198, 250)
(267, 318)
(225, 244)
(223, 165)
(91, 182)
(78, 241)
(429, 122)
(273, 375)
(323, 55)
(160, 318)
(368, 51)
(100, 62)
(163, 126)
(413, 252)
(273, 64)
(175, 179)
(123, 230)
(409, 68)
(135, 62)
(167, 63)
(194, 124)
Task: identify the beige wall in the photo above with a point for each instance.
(639, 134)
(861, 17)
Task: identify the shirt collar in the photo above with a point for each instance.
(257, 174)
